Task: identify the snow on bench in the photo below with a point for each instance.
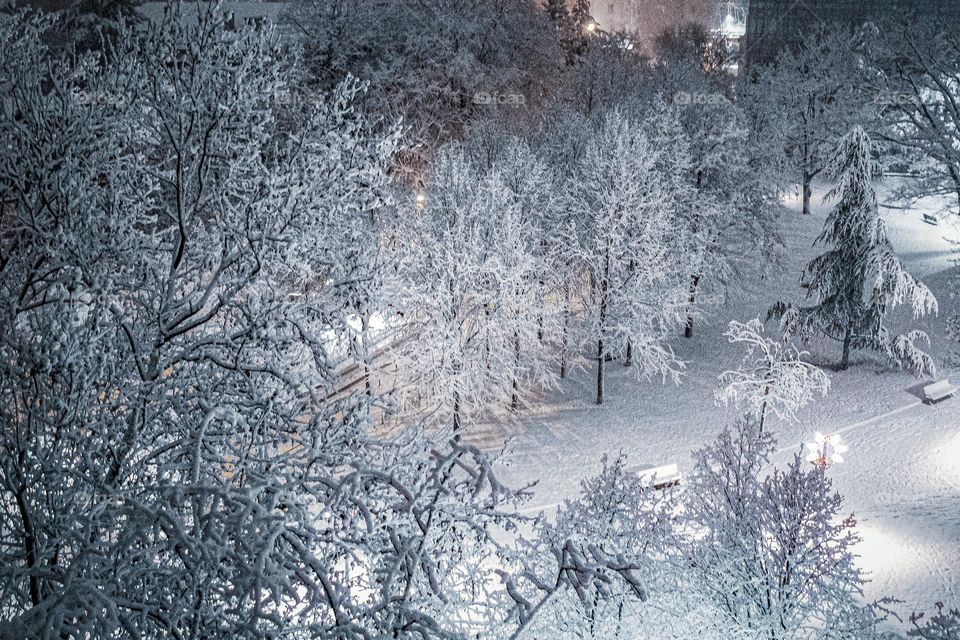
(662, 477)
(929, 218)
(937, 391)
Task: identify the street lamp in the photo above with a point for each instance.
(826, 450)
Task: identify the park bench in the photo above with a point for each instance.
(662, 477)
(937, 391)
(929, 218)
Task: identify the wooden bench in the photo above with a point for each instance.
(937, 391)
(662, 477)
(929, 218)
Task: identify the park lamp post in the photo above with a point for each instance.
(825, 450)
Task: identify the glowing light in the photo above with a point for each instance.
(826, 450)
(592, 27)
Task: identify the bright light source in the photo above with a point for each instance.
(592, 27)
(826, 450)
(421, 199)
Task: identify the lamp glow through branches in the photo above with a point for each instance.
(826, 450)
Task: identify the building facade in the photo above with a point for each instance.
(773, 25)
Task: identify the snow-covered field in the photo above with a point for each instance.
(901, 477)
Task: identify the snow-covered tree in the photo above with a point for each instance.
(916, 85)
(859, 279)
(438, 64)
(770, 549)
(626, 241)
(472, 301)
(733, 167)
(618, 525)
(773, 376)
(815, 93)
(538, 195)
(174, 288)
(562, 141)
(942, 625)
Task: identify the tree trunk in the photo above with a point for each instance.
(30, 545)
(845, 358)
(566, 330)
(694, 283)
(601, 356)
(515, 397)
(628, 361)
(456, 412)
(955, 174)
(763, 408)
(367, 362)
(807, 191)
(600, 363)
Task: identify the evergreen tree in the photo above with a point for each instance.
(859, 280)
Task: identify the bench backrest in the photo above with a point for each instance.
(666, 473)
(941, 386)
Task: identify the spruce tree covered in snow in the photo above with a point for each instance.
(625, 238)
(859, 280)
(772, 377)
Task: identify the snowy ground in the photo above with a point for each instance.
(901, 477)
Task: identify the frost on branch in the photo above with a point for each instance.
(595, 559)
(771, 549)
(772, 375)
